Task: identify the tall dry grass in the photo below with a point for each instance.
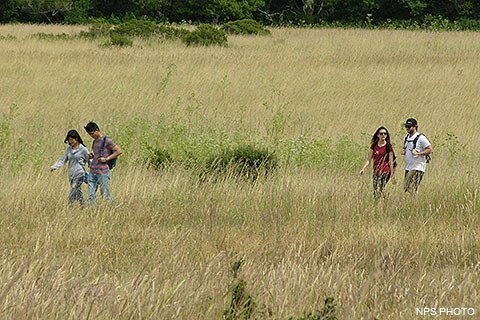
(305, 233)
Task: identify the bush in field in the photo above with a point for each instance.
(135, 28)
(118, 41)
(157, 158)
(245, 27)
(205, 35)
(244, 161)
(52, 36)
(170, 32)
(98, 28)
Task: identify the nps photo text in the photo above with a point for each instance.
(445, 311)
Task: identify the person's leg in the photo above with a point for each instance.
(417, 178)
(408, 181)
(92, 188)
(412, 180)
(104, 181)
(376, 186)
(80, 197)
(384, 178)
(71, 195)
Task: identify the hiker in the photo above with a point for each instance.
(417, 150)
(77, 156)
(104, 151)
(381, 151)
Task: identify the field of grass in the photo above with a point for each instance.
(308, 231)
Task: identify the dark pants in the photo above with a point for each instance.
(379, 182)
(412, 180)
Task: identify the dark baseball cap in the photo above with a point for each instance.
(411, 122)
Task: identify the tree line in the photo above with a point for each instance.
(271, 12)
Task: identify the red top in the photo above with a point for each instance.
(380, 159)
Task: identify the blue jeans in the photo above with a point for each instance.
(96, 180)
(76, 190)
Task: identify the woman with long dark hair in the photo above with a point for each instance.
(77, 156)
(381, 151)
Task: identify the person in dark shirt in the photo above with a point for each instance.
(381, 151)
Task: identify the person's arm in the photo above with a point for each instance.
(424, 152)
(390, 161)
(117, 151)
(60, 163)
(86, 156)
(426, 147)
(367, 162)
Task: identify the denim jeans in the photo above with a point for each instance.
(96, 180)
(76, 190)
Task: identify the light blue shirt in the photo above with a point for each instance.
(76, 161)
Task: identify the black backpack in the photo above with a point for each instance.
(427, 157)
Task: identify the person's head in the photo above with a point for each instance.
(411, 125)
(73, 137)
(93, 130)
(381, 134)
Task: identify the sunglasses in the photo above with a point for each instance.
(408, 127)
(382, 133)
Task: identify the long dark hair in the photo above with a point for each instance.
(375, 138)
(74, 135)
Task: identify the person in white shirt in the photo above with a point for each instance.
(77, 156)
(416, 149)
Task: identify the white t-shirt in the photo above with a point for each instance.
(413, 162)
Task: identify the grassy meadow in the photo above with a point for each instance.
(308, 231)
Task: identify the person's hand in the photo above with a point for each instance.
(51, 169)
(403, 152)
(90, 155)
(362, 171)
(415, 152)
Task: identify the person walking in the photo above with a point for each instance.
(77, 156)
(104, 150)
(381, 151)
(417, 150)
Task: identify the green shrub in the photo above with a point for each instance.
(245, 27)
(205, 35)
(244, 161)
(157, 158)
(119, 41)
(98, 28)
(170, 32)
(135, 28)
(52, 36)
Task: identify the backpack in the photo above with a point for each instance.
(427, 157)
(112, 162)
(389, 148)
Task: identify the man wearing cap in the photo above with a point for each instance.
(416, 148)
